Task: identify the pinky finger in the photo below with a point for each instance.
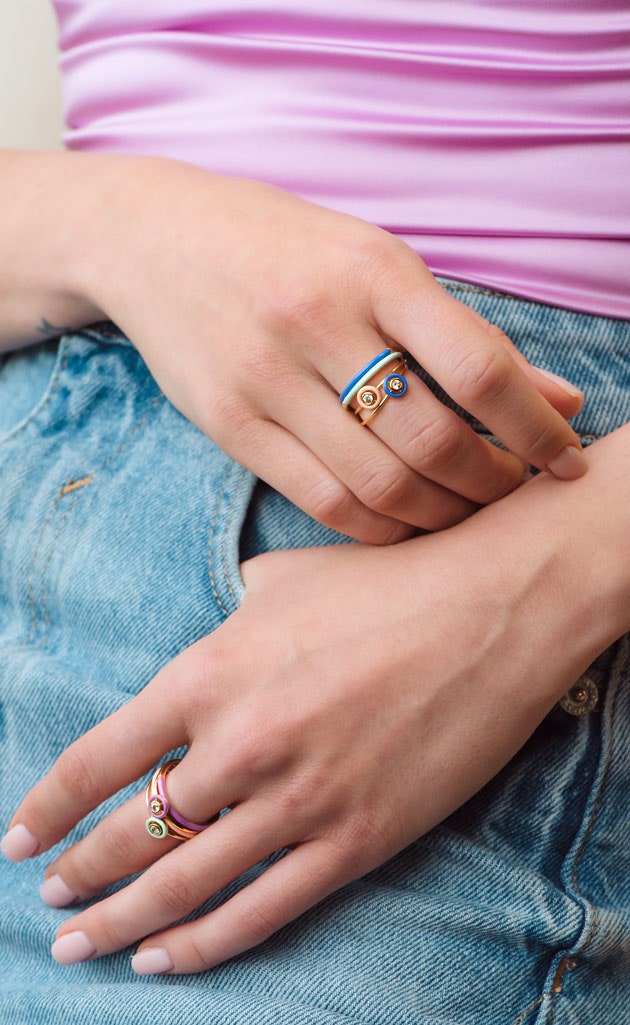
(282, 893)
(279, 458)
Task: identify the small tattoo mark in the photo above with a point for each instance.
(48, 330)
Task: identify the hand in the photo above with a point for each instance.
(342, 738)
(253, 309)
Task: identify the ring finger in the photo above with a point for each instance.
(430, 461)
(120, 845)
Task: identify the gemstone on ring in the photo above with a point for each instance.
(158, 807)
(156, 828)
(395, 386)
(367, 397)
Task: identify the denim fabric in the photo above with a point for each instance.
(122, 528)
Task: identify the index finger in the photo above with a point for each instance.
(96, 765)
(474, 365)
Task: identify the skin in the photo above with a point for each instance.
(498, 589)
(271, 710)
(254, 308)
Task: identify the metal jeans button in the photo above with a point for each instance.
(581, 698)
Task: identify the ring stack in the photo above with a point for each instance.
(381, 379)
(163, 820)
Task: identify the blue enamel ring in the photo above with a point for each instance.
(368, 371)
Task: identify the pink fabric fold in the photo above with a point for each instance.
(492, 135)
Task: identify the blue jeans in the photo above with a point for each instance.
(121, 532)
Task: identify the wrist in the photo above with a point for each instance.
(546, 569)
(572, 540)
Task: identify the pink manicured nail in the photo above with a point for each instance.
(569, 464)
(562, 382)
(73, 947)
(55, 892)
(18, 844)
(152, 961)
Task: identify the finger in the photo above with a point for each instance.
(100, 763)
(564, 396)
(280, 459)
(283, 892)
(117, 847)
(427, 438)
(479, 373)
(120, 845)
(374, 471)
(173, 886)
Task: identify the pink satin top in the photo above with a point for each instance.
(491, 135)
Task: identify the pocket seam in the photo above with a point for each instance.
(59, 367)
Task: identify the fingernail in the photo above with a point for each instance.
(73, 947)
(55, 892)
(19, 843)
(569, 464)
(152, 961)
(561, 382)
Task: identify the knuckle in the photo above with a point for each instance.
(258, 919)
(196, 958)
(109, 926)
(436, 445)
(250, 756)
(124, 845)
(228, 410)
(378, 255)
(384, 490)
(542, 442)
(351, 844)
(330, 502)
(480, 375)
(177, 892)
(76, 774)
(303, 309)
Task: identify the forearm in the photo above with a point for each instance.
(54, 215)
(553, 559)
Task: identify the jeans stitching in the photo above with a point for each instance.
(580, 855)
(532, 1007)
(212, 535)
(61, 365)
(224, 560)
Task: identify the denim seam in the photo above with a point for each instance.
(59, 368)
(554, 992)
(532, 1007)
(594, 813)
(226, 536)
(212, 535)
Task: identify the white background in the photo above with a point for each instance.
(30, 89)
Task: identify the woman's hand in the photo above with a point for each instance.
(253, 310)
(357, 697)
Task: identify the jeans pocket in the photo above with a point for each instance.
(29, 379)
